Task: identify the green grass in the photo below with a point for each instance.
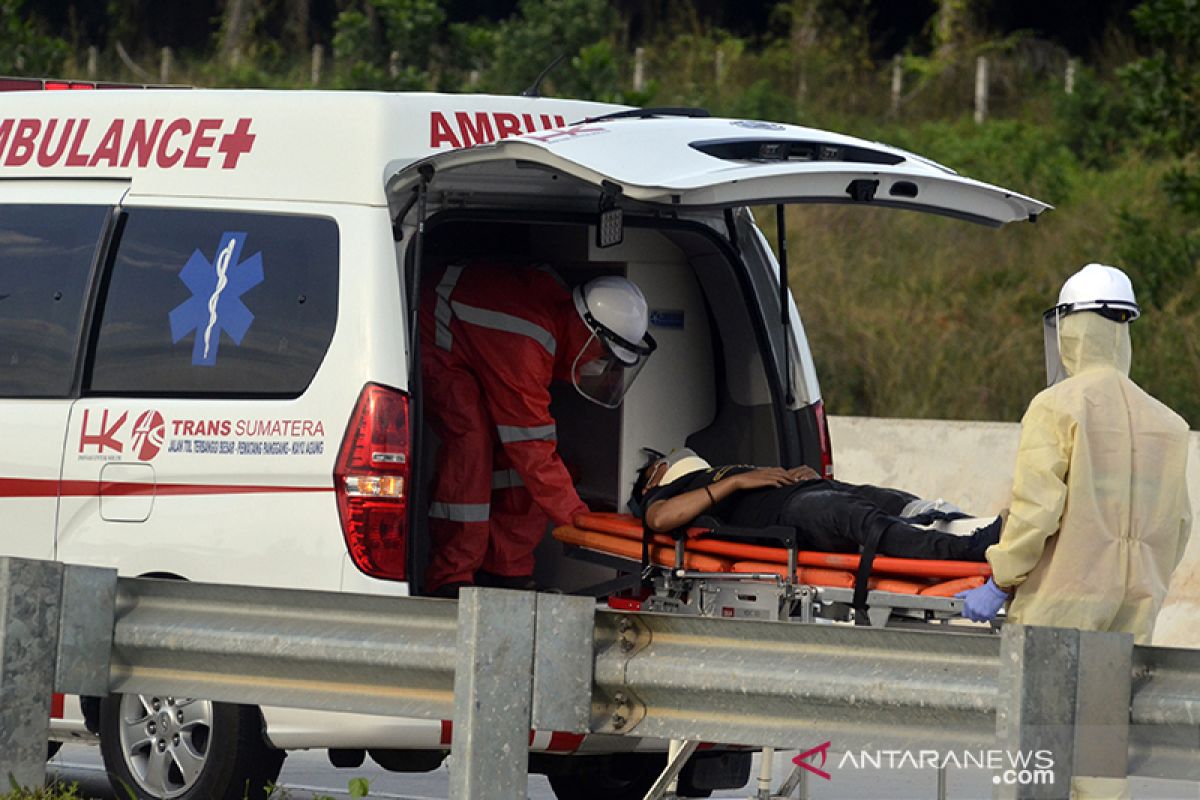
(55, 791)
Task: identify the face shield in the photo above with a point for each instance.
(1056, 369)
(607, 365)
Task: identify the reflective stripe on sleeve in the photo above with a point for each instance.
(442, 312)
(461, 512)
(506, 479)
(499, 321)
(553, 273)
(513, 433)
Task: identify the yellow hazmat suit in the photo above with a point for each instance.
(1100, 514)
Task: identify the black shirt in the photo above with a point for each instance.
(751, 508)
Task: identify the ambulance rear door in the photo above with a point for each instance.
(708, 170)
(688, 164)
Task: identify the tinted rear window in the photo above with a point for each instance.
(215, 303)
(46, 254)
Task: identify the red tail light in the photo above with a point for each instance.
(60, 85)
(826, 444)
(371, 482)
(38, 84)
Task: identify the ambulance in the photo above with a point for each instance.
(207, 351)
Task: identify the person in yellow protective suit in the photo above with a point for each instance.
(1100, 514)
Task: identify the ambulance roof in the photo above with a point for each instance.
(265, 144)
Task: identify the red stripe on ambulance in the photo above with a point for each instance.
(180, 142)
(49, 487)
(464, 128)
(560, 742)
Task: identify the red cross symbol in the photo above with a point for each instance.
(566, 133)
(233, 145)
(802, 760)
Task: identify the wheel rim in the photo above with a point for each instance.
(164, 741)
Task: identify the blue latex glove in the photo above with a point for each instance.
(982, 604)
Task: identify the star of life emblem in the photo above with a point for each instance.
(216, 302)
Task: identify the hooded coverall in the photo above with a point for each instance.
(493, 338)
(1100, 514)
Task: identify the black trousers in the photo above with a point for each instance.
(839, 517)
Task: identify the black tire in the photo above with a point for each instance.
(151, 744)
(620, 777)
(52, 749)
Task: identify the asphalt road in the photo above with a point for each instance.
(308, 774)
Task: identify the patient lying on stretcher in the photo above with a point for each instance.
(672, 491)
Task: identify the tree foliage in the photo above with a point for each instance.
(542, 30)
(25, 48)
(1164, 87)
(388, 44)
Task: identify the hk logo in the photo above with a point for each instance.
(216, 302)
(102, 436)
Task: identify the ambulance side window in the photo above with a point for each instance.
(216, 303)
(46, 254)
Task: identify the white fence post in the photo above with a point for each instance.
(164, 66)
(897, 81)
(639, 69)
(1069, 79)
(93, 62)
(318, 56)
(981, 89)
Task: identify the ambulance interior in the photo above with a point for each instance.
(705, 386)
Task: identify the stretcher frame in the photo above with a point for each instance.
(677, 586)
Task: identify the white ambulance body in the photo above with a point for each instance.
(205, 313)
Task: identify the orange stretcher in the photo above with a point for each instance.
(823, 579)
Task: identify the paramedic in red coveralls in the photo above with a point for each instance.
(494, 337)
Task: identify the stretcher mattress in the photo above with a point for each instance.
(621, 535)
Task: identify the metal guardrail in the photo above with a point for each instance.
(770, 683)
(284, 647)
(499, 663)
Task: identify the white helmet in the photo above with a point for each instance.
(615, 311)
(1103, 289)
(1098, 288)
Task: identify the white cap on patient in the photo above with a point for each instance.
(683, 461)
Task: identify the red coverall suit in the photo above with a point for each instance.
(493, 338)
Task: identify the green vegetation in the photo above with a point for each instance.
(908, 315)
(54, 791)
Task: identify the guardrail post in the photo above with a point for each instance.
(85, 631)
(1065, 693)
(1102, 706)
(563, 662)
(30, 600)
(493, 689)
